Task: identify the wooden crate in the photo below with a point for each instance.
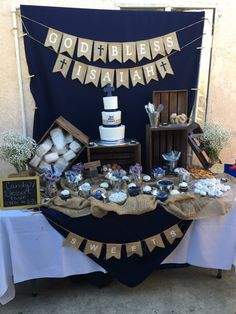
(162, 140)
(174, 101)
(125, 155)
(69, 128)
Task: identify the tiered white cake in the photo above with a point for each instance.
(111, 130)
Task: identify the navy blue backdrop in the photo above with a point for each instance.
(82, 104)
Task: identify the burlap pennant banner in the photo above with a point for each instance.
(62, 64)
(68, 44)
(173, 233)
(85, 47)
(122, 78)
(136, 75)
(171, 42)
(157, 47)
(93, 75)
(150, 72)
(115, 52)
(143, 50)
(153, 242)
(107, 77)
(73, 240)
(164, 67)
(53, 39)
(129, 51)
(134, 248)
(114, 249)
(93, 247)
(110, 51)
(100, 51)
(79, 71)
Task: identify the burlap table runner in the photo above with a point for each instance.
(184, 206)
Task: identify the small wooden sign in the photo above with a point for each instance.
(93, 167)
(19, 192)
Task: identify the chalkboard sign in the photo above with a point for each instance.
(20, 192)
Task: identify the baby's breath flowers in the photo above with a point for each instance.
(16, 149)
(214, 138)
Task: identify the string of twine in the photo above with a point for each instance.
(46, 26)
(166, 55)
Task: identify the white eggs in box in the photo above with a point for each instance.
(60, 146)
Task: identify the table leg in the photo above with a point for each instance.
(34, 291)
(219, 274)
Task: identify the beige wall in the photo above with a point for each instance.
(221, 102)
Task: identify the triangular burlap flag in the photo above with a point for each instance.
(93, 247)
(122, 78)
(164, 67)
(136, 75)
(107, 77)
(100, 51)
(79, 71)
(157, 47)
(143, 50)
(150, 72)
(62, 64)
(113, 250)
(68, 44)
(129, 51)
(114, 52)
(171, 42)
(134, 248)
(93, 75)
(73, 240)
(154, 241)
(53, 39)
(173, 233)
(85, 47)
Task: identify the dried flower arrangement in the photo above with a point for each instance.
(16, 149)
(214, 138)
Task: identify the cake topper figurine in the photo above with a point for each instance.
(109, 89)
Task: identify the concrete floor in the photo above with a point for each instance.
(176, 291)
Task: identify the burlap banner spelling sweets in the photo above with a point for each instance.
(114, 249)
(109, 51)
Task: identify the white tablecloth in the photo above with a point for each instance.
(30, 248)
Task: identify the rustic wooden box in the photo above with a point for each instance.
(69, 128)
(125, 155)
(174, 101)
(162, 140)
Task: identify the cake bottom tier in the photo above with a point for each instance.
(112, 134)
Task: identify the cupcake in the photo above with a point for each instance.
(104, 185)
(183, 187)
(147, 189)
(65, 194)
(146, 178)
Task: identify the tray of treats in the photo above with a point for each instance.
(200, 173)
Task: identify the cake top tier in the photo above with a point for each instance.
(110, 103)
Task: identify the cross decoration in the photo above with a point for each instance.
(164, 66)
(63, 62)
(109, 89)
(100, 48)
